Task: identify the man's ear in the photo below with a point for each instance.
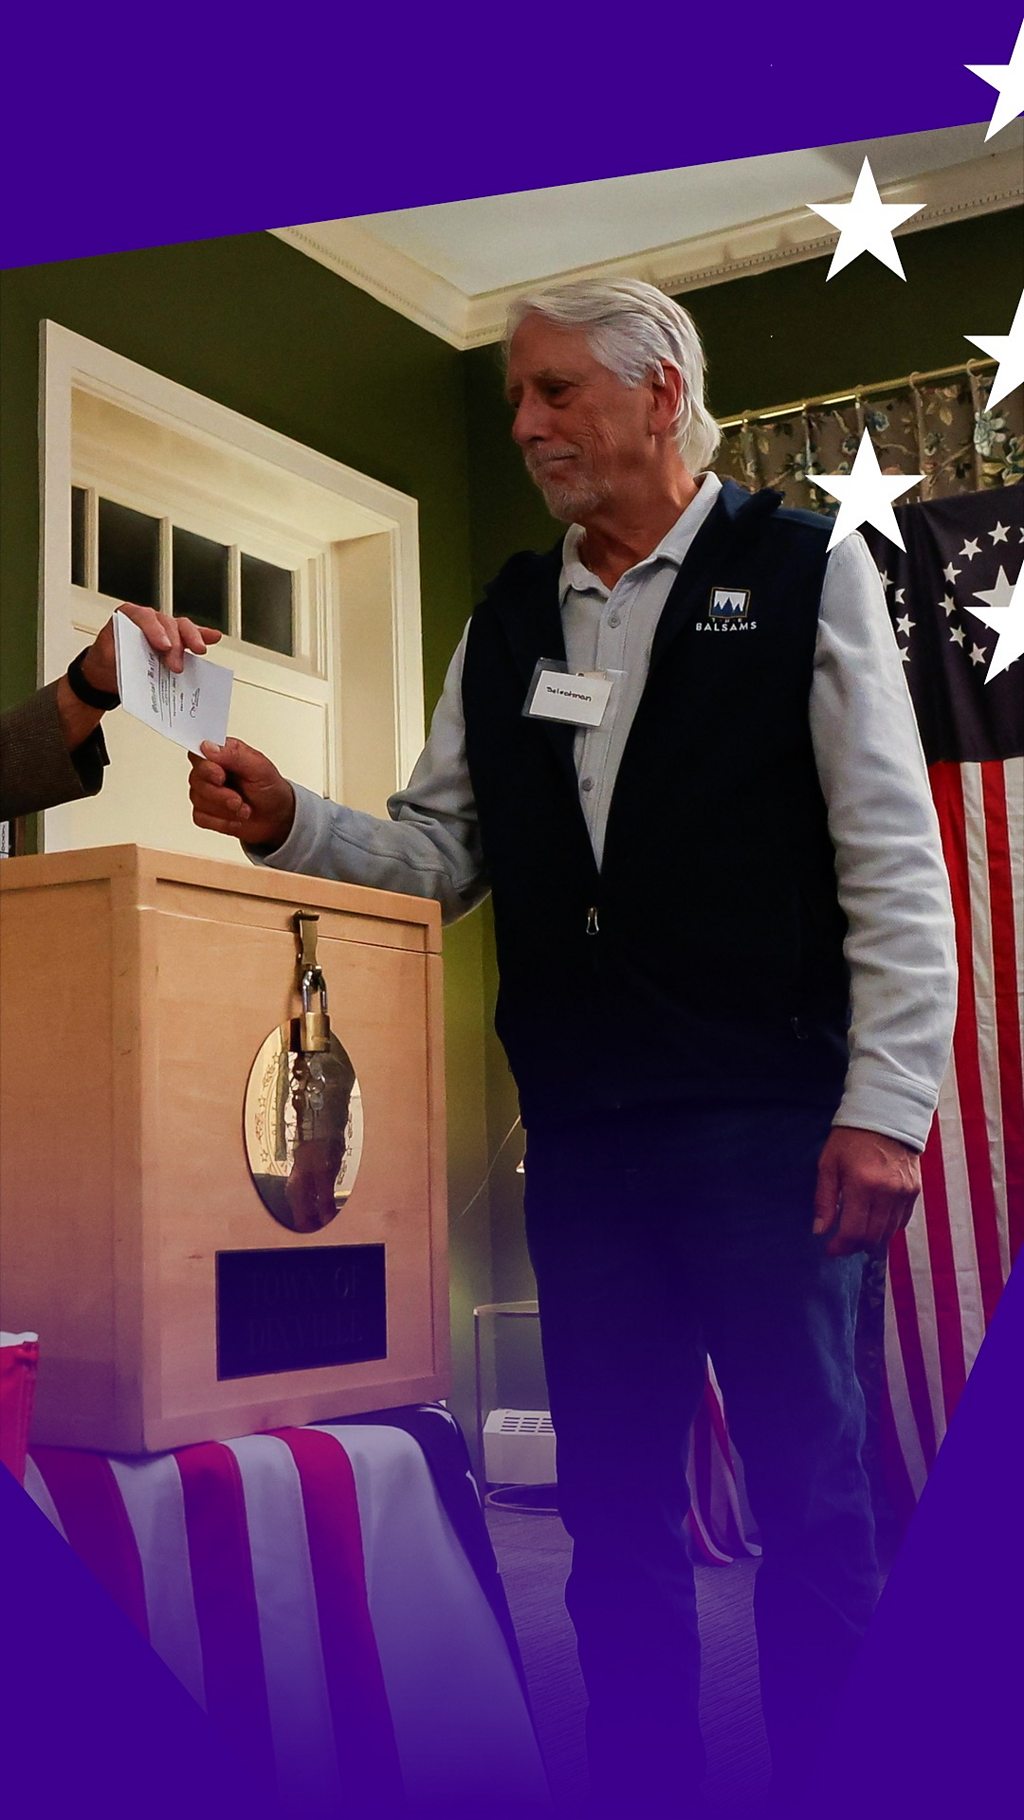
(666, 395)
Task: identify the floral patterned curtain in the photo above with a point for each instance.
(939, 428)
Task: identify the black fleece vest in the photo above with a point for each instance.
(703, 963)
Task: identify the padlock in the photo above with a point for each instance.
(311, 1031)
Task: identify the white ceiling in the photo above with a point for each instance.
(452, 266)
(493, 241)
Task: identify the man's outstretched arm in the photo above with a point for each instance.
(428, 845)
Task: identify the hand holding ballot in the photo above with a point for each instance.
(169, 637)
(237, 790)
(184, 698)
(51, 746)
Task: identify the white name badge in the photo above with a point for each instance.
(558, 693)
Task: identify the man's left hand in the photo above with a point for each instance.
(867, 1186)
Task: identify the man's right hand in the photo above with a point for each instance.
(236, 790)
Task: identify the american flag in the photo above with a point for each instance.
(947, 1271)
(720, 1524)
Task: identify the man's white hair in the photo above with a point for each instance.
(633, 329)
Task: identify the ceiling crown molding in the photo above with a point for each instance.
(355, 253)
(981, 186)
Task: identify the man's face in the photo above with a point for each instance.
(582, 432)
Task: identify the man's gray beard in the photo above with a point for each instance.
(568, 503)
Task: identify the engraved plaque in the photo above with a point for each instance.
(303, 1127)
(300, 1309)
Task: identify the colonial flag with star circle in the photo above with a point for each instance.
(947, 1271)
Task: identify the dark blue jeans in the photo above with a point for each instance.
(659, 1236)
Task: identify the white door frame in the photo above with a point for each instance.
(367, 508)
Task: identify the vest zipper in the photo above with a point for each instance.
(592, 922)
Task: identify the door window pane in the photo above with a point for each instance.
(267, 605)
(129, 566)
(200, 568)
(79, 501)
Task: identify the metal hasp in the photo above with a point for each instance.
(311, 1030)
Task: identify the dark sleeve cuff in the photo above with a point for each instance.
(89, 760)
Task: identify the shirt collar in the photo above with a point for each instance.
(577, 577)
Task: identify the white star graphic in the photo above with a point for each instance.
(948, 604)
(899, 596)
(883, 576)
(905, 653)
(1003, 614)
(977, 654)
(999, 532)
(865, 495)
(950, 573)
(866, 224)
(956, 634)
(905, 624)
(971, 549)
(1008, 80)
(1009, 351)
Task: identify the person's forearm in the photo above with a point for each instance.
(419, 857)
(890, 874)
(430, 846)
(36, 769)
(77, 719)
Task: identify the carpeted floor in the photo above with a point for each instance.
(533, 1555)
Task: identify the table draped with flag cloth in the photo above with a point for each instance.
(329, 1595)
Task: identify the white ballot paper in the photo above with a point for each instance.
(187, 707)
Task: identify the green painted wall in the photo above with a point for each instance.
(769, 339)
(260, 328)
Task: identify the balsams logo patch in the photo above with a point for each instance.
(728, 610)
(729, 603)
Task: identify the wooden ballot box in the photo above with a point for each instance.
(212, 1231)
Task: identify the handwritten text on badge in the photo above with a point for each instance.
(580, 700)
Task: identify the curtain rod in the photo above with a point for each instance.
(828, 398)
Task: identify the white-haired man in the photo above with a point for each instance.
(728, 843)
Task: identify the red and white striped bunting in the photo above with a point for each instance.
(308, 1590)
(947, 1271)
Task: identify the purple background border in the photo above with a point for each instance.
(198, 122)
